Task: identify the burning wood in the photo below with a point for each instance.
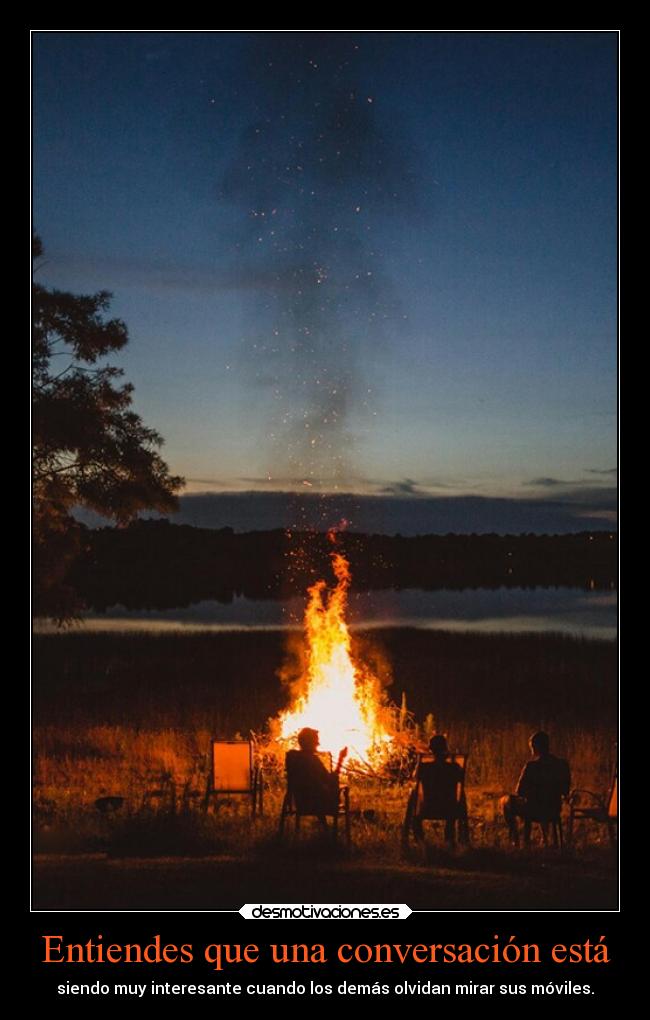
(338, 696)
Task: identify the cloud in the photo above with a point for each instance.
(399, 513)
(602, 515)
(286, 482)
(590, 496)
(571, 484)
(547, 483)
(388, 514)
(581, 492)
(601, 471)
(407, 487)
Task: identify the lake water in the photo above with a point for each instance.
(513, 610)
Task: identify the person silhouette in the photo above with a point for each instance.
(441, 781)
(315, 789)
(543, 782)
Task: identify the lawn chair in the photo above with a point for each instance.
(430, 800)
(583, 804)
(302, 802)
(543, 814)
(232, 772)
(553, 824)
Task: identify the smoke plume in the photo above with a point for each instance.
(317, 173)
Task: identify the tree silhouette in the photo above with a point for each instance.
(90, 449)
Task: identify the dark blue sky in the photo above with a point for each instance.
(379, 263)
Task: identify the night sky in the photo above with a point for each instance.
(372, 263)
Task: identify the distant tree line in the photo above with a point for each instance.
(155, 564)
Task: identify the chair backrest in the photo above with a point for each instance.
(457, 757)
(326, 758)
(310, 787)
(440, 790)
(612, 800)
(232, 766)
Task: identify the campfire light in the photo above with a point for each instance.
(337, 696)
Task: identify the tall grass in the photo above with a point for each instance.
(131, 716)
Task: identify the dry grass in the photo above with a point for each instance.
(132, 717)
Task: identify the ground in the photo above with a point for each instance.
(130, 719)
(309, 870)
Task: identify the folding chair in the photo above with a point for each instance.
(437, 797)
(555, 826)
(233, 771)
(302, 802)
(583, 804)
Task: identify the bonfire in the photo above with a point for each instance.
(341, 698)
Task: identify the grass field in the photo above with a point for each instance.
(131, 716)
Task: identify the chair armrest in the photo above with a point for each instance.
(577, 794)
(409, 812)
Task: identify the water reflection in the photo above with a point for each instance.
(564, 610)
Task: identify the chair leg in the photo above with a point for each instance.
(450, 832)
(611, 829)
(463, 828)
(206, 799)
(463, 822)
(283, 813)
(569, 831)
(559, 835)
(408, 821)
(511, 816)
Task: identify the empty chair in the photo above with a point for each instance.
(233, 772)
(586, 805)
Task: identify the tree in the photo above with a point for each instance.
(90, 449)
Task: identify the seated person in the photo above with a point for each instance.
(314, 788)
(442, 784)
(544, 781)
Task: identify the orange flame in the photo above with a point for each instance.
(340, 699)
